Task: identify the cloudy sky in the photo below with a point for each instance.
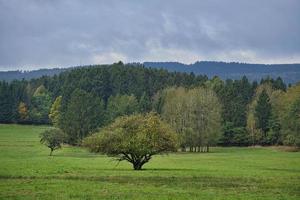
(61, 33)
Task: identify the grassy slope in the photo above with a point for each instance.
(27, 172)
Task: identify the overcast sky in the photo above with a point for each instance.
(61, 33)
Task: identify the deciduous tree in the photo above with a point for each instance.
(195, 114)
(134, 138)
(23, 112)
(53, 139)
(121, 105)
(84, 114)
(55, 111)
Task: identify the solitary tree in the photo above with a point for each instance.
(134, 138)
(52, 138)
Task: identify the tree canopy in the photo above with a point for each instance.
(52, 138)
(195, 114)
(84, 114)
(134, 138)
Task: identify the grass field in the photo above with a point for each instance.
(27, 172)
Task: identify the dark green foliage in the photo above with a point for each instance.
(53, 139)
(228, 134)
(39, 109)
(294, 116)
(10, 97)
(84, 113)
(234, 136)
(121, 105)
(235, 96)
(6, 111)
(263, 112)
(144, 103)
(241, 137)
(274, 133)
(277, 84)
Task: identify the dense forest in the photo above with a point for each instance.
(290, 73)
(203, 111)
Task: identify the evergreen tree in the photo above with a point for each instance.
(263, 112)
(279, 84)
(144, 103)
(273, 135)
(6, 103)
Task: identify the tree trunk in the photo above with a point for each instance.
(51, 152)
(137, 165)
(183, 149)
(207, 148)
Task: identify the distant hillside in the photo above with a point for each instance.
(290, 73)
(12, 75)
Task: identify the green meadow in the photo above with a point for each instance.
(27, 172)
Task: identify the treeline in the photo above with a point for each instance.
(203, 112)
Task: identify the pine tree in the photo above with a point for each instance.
(144, 103)
(263, 111)
(6, 103)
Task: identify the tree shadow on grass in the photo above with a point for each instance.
(169, 169)
(78, 155)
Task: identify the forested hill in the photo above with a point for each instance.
(19, 75)
(290, 73)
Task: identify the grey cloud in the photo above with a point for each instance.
(37, 34)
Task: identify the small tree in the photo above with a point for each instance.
(134, 138)
(52, 138)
